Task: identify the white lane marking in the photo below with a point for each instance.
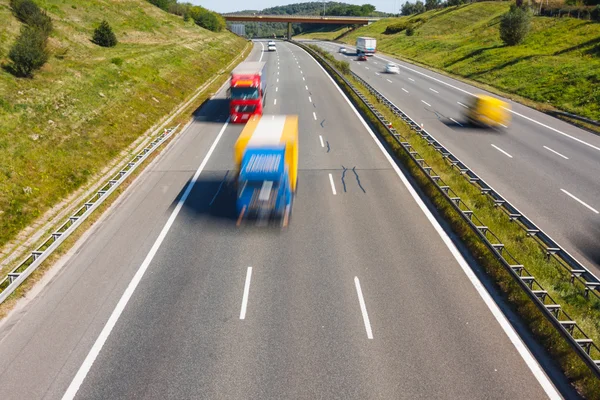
(277, 80)
(315, 115)
(246, 293)
(306, 86)
(114, 317)
(301, 72)
(321, 139)
(277, 72)
(363, 308)
(426, 103)
(377, 73)
(502, 125)
(262, 52)
(502, 151)
(366, 67)
(388, 80)
(580, 201)
(411, 79)
(455, 121)
(277, 89)
(375, 62)
(508, 329)
(274, 101)
(434, 91)
(405, 90)
(309, 99)
(553, 129)
(556, 152)
(332, 184)
(304, 79)
(461, 104)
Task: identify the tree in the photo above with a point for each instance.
(455, 2)
(419, 7)
(408, 8)
(28, 53)
(104, 35)
(515, 25)
(432, 4)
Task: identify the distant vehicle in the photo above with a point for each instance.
(343, 50)
(366, 45)
(266, 157)
(487, 111)
(361, 57)
(247, 90)
(392, 68)
(271, 46)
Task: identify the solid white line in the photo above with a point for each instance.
(581, 202)
(405, 90)
(321, 139)
(555, 130)
(508, 329)
(246, 293)
(262, 52)
(462, 104)
(309, 99)
(363, 308)
(274, 101)
(315, 115)
(388, 80)
(455, 121)
(556, 152)
(502, 151)
(434, 91)
(426, 103)
(114, 317)
(332, 184)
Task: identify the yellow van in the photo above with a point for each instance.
(485, 110)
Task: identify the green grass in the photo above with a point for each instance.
(89, 103)
(325, 33)
(586, 311)
(558, 64)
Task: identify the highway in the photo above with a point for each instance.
(363, 296)
(545, 167)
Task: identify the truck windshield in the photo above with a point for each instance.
(247, 93)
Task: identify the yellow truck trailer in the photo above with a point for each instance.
(486, 110)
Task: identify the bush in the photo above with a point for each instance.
(209, 20)
(515, 25)
(104, 35)
(410, 31)
(28, 53)
(397, 27)
(29, 13)
(117, 61)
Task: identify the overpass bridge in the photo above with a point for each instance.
(293, 19)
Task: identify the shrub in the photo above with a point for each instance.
(410, 31)
(395, 28)
(24, 9)
(104, 35)
(117, 61)
(515, 25)
(42, 21)
(28, 53)
(210, 20)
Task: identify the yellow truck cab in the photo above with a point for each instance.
(486, 110)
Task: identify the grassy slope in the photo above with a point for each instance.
(323, 34)
(88, 103)
(559, 62)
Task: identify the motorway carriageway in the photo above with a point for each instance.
(545, 167)
(364, 296)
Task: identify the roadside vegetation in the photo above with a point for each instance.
(557, 65)
(88, 103)
(585, 310)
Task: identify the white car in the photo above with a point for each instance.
(271, 46)
(392, 68)
(343, 50)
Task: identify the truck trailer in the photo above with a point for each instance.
(266, 157)
(366, 45)
(247, 90)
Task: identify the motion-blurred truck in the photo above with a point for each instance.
(247, 90)
(366, 45)
(487, 111)
(266, 156)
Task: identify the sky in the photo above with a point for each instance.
(224, 6)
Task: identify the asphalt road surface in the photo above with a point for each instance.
(363, 296)
(545, 167)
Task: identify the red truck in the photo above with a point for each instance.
(247, 90)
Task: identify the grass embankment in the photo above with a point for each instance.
(586, 311)
(324, 34)
(88, 103)
(557, 65)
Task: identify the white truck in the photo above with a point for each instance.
(366, 45)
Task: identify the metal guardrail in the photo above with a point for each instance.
(19, 274)
(585, 347)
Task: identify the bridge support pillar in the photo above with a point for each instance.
(289, 31)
